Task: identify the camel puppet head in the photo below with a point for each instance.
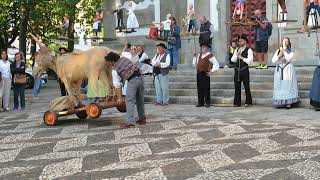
(45, 58)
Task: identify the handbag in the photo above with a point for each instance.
(22, 79)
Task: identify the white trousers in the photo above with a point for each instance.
(5, 88)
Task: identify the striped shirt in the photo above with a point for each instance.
(125, 68)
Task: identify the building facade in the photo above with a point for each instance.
(219, 12)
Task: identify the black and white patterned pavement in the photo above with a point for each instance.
(178, 142)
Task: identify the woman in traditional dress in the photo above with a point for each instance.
(132, 21)
(285, 90)
(315, 87)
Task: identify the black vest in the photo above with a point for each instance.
(120, 13)
(158, 70)
(205, 37)
(240, 65)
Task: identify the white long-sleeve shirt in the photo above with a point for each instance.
(213, 61)
(166, 24)
(165, 64)
(133, 57)
(287, 56)
(126, 55)
(212, 31)
(144, 56)
(247, 60)
(5, 68)
(116, 79)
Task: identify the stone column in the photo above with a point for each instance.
(108, 19)
(222, 30)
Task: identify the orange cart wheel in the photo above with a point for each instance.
(94, 111)
(50, 118)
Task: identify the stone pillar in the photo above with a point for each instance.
(222, 30)
(189, 45)
(271, 12)
(108, 19)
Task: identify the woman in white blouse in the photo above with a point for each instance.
(285, 90)
(5, 81)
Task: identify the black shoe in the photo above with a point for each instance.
(235, 105)
(199, 105)
(207, 106)
(247, 105)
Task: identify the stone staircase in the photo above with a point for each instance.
(183, 89)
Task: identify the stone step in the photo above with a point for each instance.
(183, 85)
(223, 92)
(218, 100)
(230, 78)
(253, 71)
(226, 85)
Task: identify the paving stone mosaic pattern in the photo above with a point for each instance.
(178, 142)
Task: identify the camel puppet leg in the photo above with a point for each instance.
(77, 86)
(68, 86)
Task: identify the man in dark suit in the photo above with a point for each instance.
(119, 12)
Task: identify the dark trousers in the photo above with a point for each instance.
(62, 88)
(203, 87)
(244, 77)
(120, 24)
(19, 92)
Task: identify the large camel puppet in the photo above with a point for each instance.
(75, 67)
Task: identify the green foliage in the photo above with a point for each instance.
(9, 22)
(44, 17)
